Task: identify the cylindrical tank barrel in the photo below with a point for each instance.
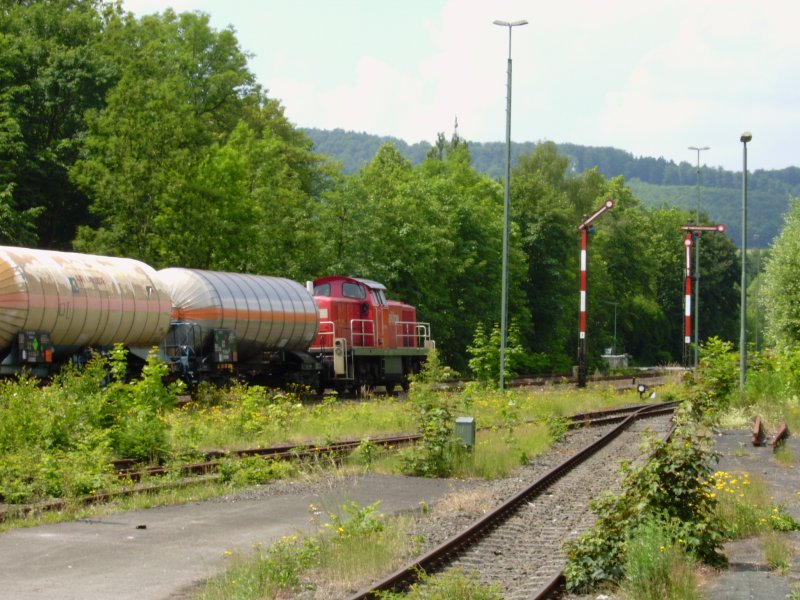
(267, 313)
(80, 300)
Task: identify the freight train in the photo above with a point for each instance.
(336, 332)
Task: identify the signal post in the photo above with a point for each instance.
(692, 231)
(582, 343)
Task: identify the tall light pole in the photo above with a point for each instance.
(744, 138)
(506, 207)
(698, 149)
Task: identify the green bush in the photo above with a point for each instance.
(450, 585)
(254, 470)
(672, 489)
(433, 414)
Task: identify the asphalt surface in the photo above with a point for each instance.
(162, 553)
(748, 576)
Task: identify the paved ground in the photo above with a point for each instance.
(749, 577)
(159, 553)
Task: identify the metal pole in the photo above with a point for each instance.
(745, 137)
(506, 210)
(698, 149)
(687, 295)
(583, 346)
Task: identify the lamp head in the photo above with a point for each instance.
(746, 137)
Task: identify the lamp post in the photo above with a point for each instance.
(698, 149)
(744, 138)
(506, 203)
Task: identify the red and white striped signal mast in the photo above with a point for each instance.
(688, 244)
(582, 343)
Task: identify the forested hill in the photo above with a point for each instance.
(655, 181)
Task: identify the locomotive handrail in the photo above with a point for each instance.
(323, 335)
(366, 336)
(421, 333)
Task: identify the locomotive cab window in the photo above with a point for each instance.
(322, 289)
(353, 290)
(378, 297)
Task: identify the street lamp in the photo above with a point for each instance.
(698, 149)
(506, 203)
(744, 138)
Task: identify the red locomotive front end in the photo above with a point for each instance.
(365, 339)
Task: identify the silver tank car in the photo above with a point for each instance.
(267, 313)
(80, 300)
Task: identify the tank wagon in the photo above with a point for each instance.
(255, 327)
(54, 306)
(336, 332)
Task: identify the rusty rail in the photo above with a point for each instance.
(430, 561)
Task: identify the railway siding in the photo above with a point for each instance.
(524, 551)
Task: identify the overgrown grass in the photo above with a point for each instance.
(451, 585)
(777, 552)
(355, 545)
(746, 507)
(58, 440)
(658, 568)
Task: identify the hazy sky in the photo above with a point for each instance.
(648, 77)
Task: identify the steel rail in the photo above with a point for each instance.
(430, 561)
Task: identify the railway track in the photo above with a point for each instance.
(518, 544)
(130, 471)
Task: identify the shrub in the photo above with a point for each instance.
(657, 568)
(434, 421)
(673, 489)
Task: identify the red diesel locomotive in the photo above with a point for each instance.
(365, 339)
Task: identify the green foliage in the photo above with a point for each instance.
(452, 584)
(140, 430)
(558, 427)
(254, 470)
(780, 291)
(52, 440)
(366, 452)
(672, 489)
(357, 521)
(485, 353)
(713, 382)
(656, 567)
(433, 415)
(434, 420)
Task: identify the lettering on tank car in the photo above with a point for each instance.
(81, 279)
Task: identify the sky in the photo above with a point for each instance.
(651, 77)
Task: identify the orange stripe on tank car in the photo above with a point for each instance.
(202, 314)
(16, 300)
(22, 300)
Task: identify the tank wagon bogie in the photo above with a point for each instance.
(337, 332)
